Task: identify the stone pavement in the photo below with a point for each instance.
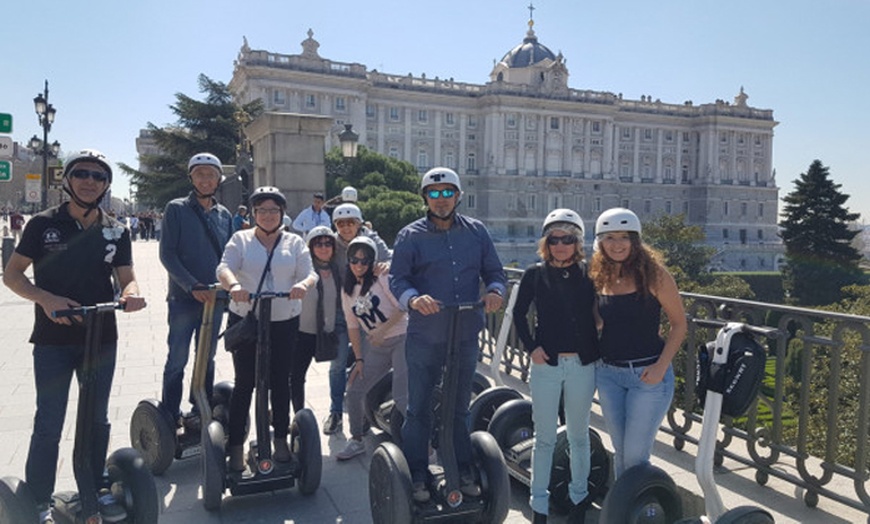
(343, 493)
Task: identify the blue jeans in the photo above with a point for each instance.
(53, 368)
(338, 367)
(547, 384)
(185, 319)
(425, 361)
(632, 410)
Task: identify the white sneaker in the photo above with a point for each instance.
(46, 516)
(352, 449)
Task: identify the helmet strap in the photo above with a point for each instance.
(88, 207)
(269, 231)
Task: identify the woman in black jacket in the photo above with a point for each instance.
(563, 350)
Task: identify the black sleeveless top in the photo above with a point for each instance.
(631, 327)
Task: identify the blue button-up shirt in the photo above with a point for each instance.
(448, 265)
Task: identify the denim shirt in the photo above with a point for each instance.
(447, 265)
(186, 251)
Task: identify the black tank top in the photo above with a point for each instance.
(631, 327)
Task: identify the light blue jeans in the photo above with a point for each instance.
(632, 410)
(338, 367)
(547, 384)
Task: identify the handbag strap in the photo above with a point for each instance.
(266, 269)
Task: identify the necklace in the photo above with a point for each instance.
(565, 273)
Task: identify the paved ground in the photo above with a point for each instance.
(343, 494)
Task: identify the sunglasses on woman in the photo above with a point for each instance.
(323, 243)
(567, 240)
(83, 174)
(359, 261)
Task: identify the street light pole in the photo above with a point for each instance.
(45, 112)
(349, 141)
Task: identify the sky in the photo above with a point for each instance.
(113, 66)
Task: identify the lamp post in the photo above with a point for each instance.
(45, 112)
(349, 141)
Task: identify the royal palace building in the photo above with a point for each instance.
(525, 143)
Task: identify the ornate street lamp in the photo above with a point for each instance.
(45, 112)
(349, 142)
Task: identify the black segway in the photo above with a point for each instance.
(125, 477)
(513, 429)
(153, 429)
(390, 479)
(730, 374)
(262, 473)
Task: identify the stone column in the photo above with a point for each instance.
(288, 153)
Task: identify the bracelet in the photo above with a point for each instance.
(495, 292)
(360, 360)
(234, 284)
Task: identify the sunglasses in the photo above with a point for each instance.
(441, 193)
(323, 243)
(359, 261)
(567, 240)
(83, 174)
(268, 211)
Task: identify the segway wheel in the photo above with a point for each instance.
(396, 422)
(483, 406)
(494, 480)
(389, 486)
(214, 466)
(152, 434)
(220, 402)
(132, 484)
(642, 494)
(305, 442)
(560, 474)
(745, 515)
(512, 423)
(479, 384)
(379, 394)
(16, 501)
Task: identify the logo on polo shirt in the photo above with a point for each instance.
(52, 240)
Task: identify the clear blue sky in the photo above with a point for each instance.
(114, 66)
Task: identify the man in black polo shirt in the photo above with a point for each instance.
(75, 249)
(195, 230)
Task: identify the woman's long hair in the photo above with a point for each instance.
(643, 265)
(368, 279)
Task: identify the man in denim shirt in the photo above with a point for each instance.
(441, 260)
(195, 230)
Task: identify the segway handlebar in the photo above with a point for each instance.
(270, 294)
(463, 306)
(766, 331)
(83, 310)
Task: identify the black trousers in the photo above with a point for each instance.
(283, 339)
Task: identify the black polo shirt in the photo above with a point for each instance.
(75, 263)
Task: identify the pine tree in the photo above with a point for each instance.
(820, 257)
(211, 125)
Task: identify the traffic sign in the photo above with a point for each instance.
(5, 123)
(5, 170)
(5, 147)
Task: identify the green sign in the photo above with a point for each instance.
(5, 170)
(5, 123)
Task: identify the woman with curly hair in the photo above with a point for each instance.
(635, 379)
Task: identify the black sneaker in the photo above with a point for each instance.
(468, 486)
(332, 424)
(421, 493)
(540, 518)
(577, 515)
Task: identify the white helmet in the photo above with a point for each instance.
(440, 175)
(347, 211)
(363, 240)
(348, 194)
(617, 219)
(87, 155)
(318, 231)
(205, 159)
(565, 216)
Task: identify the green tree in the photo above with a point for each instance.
(388, 189)
(817, 240)
(682, 245)
(212, 125)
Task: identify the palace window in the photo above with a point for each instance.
(340, 103)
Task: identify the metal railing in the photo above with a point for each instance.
(809, 424)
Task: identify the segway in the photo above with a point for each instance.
(153, 429)
(730, 374)
(390, 478)
(513, 429)
(262, 473)
(125, 476)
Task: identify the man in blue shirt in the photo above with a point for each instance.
(312, 216)
(441, 260)
(195, 230)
